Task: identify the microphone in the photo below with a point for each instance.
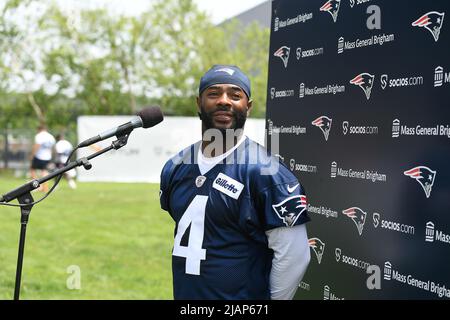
(145, 118)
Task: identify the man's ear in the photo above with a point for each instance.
(249, 106)
(199, 111)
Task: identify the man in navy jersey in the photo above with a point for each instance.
(240, 214)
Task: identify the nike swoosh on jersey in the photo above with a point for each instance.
(291, 189)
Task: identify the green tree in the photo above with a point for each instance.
(176, 66)
(188, 44)
(17, 64)
(95, 61)
(245, 47)
(61, 64)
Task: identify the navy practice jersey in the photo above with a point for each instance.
(221, 249)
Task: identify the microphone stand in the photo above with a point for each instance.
(23, 195)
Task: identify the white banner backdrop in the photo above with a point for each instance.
(147, 150)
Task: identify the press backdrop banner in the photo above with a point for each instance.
(143, 158)
(359, 93)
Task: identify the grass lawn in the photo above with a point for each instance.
(115, 233)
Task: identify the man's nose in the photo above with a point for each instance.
(224, 100)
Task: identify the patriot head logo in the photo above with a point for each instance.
(424, 176)
(432, 21)
(332, 7)
(283, 54)
(358, 216)
(324, 124)
(365, 82)
(318, 247)
(290, 209)
(226, 70)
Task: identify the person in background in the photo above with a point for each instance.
(63, 148)
(41, 155)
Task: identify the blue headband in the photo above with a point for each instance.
(225, 74)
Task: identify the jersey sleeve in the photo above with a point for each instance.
(290, 260)
(184, 156)
(283, 203)
(164, 186)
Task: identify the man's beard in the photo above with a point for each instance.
(238, 119)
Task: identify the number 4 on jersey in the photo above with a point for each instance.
(195, 217)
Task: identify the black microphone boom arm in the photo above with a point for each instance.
(145, 118)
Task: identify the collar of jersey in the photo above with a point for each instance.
(211, 162)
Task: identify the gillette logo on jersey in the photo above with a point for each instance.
(224, 183)
(228, 186)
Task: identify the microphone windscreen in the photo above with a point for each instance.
(150, 116)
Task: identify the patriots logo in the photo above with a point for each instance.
(358, 216)
(290, 209)
(423, 175)
(324, 124)
(227, 70)
(332, 7)
(365, 82)
(432, 21)
(283, 54)
(318, 247)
